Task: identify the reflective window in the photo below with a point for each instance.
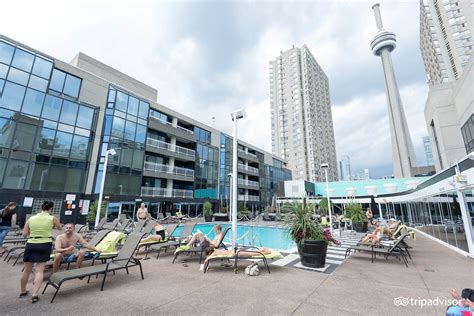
(37, 176)
(73, 180)
(66, 128)
(69, 112)
(140, 136)
(24, 137)
(6, 52)
(23, 60)
(57, 80)
(126, 157)
(138, 159)
(72, 85)
(79, 147)
(118, 127)
(6, 129)
(38, 83)
(42, 67)
(108, 124)
(15, 174)
(45, 140)
(12, 96)
(143, 111)
(130, 130)
(121, 103)
(62, 145)
(51, 108)
(18, 76)
(56, 179)
(1, 86)
(133, 106)
(85, 117)
(3, 71)
(82, 132)
(112, 95)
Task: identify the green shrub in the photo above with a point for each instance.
(207, 208)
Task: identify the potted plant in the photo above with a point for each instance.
(90, 218)
(357, 215)
(312, 240)
(207, 210)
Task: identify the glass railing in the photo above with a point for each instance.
(247, 153)
(248, 168)
(248, 183)
(158, 167)
(171, 124)
(167, 146)
(252, 198)
(163, 192)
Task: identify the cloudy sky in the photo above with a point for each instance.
(207, 58)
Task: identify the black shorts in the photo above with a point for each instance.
(37, 252)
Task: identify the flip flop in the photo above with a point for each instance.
(34, 299)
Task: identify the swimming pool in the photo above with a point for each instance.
(259, 236)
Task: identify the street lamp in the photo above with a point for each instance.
(101, 192)
(236, 115)
(230, 197)
(325, 166)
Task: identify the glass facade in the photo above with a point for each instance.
(125, 130)
(206, 172)
(45, 134)
(225, 167)
(467, 131)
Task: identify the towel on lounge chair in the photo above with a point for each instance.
(274, 255)
(109, 243)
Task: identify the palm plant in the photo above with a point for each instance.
(301, 226)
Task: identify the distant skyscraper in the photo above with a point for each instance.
(345, 168)
(403, 153)
(445, 38)
(428, 151)
(301, 118)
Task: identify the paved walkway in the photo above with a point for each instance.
(357, 287)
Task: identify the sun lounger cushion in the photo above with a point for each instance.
(275, 255)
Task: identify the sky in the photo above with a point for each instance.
(209, 58)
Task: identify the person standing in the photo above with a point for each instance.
(142, 213)
(38, 248)
(8, 220)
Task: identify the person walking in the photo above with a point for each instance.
(7, 221)
(38, 229)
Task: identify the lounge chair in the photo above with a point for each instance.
(112, 225)
(275, 255)
(123, 225)
(187, 231)
(124, 260)
(199, 249)
(147, 244)
(139, 226)
(395, 249)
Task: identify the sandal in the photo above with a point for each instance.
(24, 294)
(34, 299)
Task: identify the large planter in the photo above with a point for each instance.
(208, 218)
(361, 227)
(313, 253)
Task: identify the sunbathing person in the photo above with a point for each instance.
(158, 233)
(205, 241)
(465, 302)
(377, 235)
(65, 247)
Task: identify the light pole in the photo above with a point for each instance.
(230, 196)
(101, 192)
(325, 166)
(236, 115)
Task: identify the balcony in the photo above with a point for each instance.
(163, 192)
(161, 147)
(250, 198)
(181, 133)
(152, 169)
(246, 155)
(248, 183)
(247, 169)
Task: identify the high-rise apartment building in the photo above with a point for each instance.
(446, 43)
(445, 38)
(301, 118)
(345, 168)
(428, 151)
(58, 121)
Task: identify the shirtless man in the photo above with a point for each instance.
(142, 213)
(65, 248)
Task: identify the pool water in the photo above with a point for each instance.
(259, 236)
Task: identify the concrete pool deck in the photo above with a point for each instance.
(357, 287)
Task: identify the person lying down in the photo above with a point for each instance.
(230, 253)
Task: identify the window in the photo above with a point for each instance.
(85, 117)
(42, 67)
(57, 80)
(23, 60)
(18, 76)
(6, 53)
(62, 82)
(121, 103)
(118, 127)
(51, 108)
(71, 86)
(79, 147)
(133, 106)
(62, 144)
(69, 112)
(12, 96)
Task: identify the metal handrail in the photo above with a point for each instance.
(171, 124)
(248, 183)
(158, 167)
(248, 168)
(163, 192)
(167, 146)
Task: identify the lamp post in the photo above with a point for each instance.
(230, 196)
(236, 115)
(325, 166)
(101, 192)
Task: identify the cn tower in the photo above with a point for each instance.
(403, 154)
